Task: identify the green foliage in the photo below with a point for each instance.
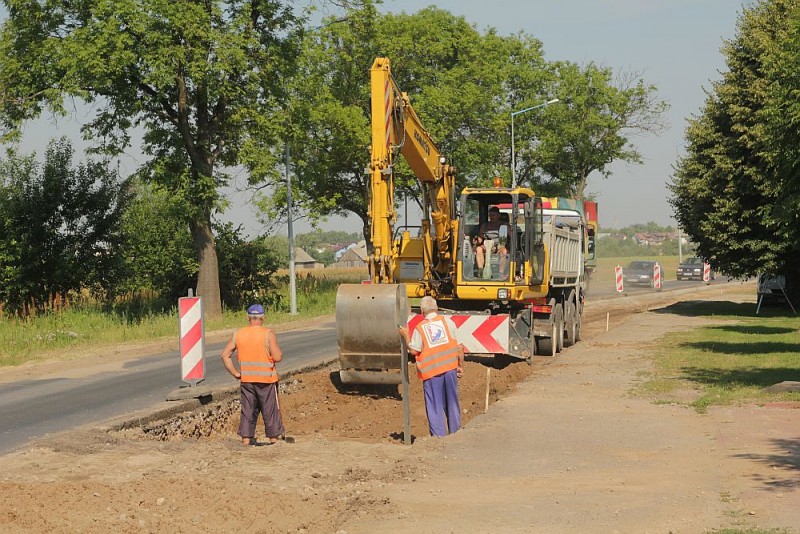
(318, 237)
(590, 129)
(160, 259)
(316, 243)
(463, 84)
(202, 78)
(157, 245)
(735, 192)
(60, 228)
(278, 246)
(612, 248)
(81, 329)
(246, 269)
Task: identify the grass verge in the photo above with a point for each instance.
(74, 331)
(729, 362)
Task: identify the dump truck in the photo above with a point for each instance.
(514, 288)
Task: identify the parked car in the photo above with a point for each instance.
(640, 272)
(692, 269)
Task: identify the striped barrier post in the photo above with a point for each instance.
(657, 276)
(192, 340)
(706, 272)
(618, 276)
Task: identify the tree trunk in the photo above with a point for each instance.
(208, 277)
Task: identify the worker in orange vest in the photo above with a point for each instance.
(258, 351)
(440, 362)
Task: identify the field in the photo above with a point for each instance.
(604, 274)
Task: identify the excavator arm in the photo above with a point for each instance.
(397, 130)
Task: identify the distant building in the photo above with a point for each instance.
(303, 261)
(355, 256)
(652, 238)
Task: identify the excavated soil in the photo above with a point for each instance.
(563, 448)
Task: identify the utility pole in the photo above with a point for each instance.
(290, 231)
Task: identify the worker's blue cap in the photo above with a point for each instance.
(255, 310)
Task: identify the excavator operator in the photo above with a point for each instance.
(496, 234)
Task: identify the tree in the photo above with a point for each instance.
(457, 79)
(590, 129)
(782, 116)
(247, 268)
(158, 258)
(201, 77)
(156, 243)
(464, 85)
(732, 191)
(60, 228)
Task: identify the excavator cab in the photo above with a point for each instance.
(495, 246)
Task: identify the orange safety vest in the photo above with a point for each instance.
(255, 362)
(439, 352)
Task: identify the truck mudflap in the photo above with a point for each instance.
(481, 333)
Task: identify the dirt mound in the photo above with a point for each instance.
(317, 403)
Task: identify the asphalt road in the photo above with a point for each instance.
(597, 291)
(33, 408)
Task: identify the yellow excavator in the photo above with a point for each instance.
(509, 271)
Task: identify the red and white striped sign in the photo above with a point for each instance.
(618, 277)
(480, 334)
(192, 339)
(657, 276)
(706, 271)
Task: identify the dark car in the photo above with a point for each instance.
(692, 269)
(639, 273)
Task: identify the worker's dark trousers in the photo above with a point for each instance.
(255, 398)
(441, 403)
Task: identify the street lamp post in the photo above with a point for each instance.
(513, 152)
(290, 231)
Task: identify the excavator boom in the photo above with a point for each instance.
(397, 130)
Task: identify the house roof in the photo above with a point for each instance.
(301, 256)
(354, 254)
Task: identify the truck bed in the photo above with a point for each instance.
(563, 236)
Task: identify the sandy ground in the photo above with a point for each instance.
(564, 447)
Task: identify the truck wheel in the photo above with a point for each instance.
(544, 346)
(571, 324)
(558, 323)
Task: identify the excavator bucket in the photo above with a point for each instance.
(367, 320)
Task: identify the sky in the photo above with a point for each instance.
(674, 45)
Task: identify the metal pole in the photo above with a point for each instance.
(406, 394)
(292, 279)
(513, 157)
